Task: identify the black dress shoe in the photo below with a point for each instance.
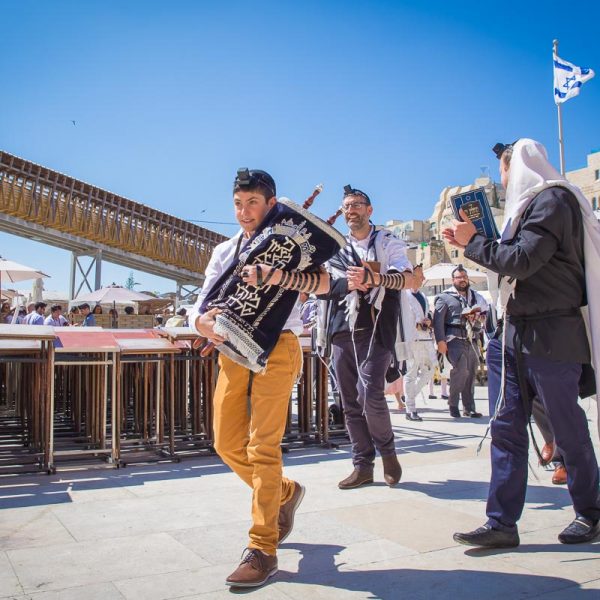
(413, 416)
(454, 412)
(581, 530)
(486, 537)
(432, 397)
(444, 397)
(472, 413)
(357, 478)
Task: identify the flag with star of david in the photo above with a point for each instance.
(568, 79)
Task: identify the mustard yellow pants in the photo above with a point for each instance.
(248, 434)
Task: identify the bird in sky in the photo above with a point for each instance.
(73, 123)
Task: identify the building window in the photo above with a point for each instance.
(595, 203)
(597, 174)
(453, 253)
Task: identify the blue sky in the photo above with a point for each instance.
(397, 98)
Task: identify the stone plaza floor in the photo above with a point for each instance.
(164, 531)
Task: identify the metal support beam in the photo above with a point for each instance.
(186, 293)
(78, 267)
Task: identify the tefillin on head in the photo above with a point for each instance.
(243, 176)
(350, 191)
(254, 177)
(499, 148)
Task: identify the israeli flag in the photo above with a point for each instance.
(568, 79)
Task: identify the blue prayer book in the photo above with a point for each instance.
(477, 207)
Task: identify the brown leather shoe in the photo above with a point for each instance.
(254, 570)
(547, 453)
(288, 510)
(392, 471)
(358, 477)
(560, 475)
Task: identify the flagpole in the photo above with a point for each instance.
(561, 144)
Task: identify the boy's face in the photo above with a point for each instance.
(251, 208)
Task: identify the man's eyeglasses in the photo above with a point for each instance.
(352, 206)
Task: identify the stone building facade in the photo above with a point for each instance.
(588, 179)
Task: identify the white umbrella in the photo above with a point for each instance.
(441, 274)
(13, 272)
(112, 293)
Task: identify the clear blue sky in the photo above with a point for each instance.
(397, 98)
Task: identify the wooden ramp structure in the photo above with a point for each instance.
(42, 204)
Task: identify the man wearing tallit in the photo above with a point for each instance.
(549, 262)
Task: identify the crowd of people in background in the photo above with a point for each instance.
(82, 315)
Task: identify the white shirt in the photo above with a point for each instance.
(34, 319)
(222, 257)
(417, 315)
(60, 322)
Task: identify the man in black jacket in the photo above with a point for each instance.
(545, 342)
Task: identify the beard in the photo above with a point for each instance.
(358, 223)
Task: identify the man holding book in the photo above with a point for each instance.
(543, 348)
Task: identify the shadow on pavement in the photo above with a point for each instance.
(40, 489)
(317, 567)
(550, 498)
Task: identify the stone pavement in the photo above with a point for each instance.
(166, 531)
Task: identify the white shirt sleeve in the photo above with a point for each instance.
(397, 258)
(222, 255)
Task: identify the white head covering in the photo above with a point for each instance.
(529, 174)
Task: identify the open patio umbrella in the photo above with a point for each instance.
(441, 274)
(111, 293)
(12, 272)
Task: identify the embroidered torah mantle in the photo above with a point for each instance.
(289, 238)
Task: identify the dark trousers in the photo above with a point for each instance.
(365, 407)
(464, 361)
(555, 383)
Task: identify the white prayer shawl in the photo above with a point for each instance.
(404, 347)
(530, 173)
(378, 251)
(412, 313)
